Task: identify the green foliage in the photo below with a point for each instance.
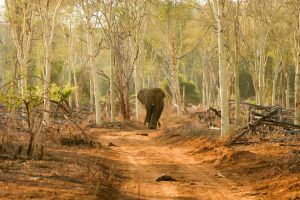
(13, 100)
(10, 100)
(60, 93)
(192, 94)
(246, 84)
(57, 70)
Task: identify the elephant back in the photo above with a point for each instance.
(151, 96)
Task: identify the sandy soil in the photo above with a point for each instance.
(131, 158)
(146, 159)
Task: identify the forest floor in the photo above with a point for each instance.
(131, 158)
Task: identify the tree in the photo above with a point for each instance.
(218, 11)
(70, 36)
(297, 78)
(21, 18)
(121, 23)
(86, 6)
(237, 63)
(48, 16)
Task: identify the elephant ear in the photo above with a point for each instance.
(141, 96)
(160, 93)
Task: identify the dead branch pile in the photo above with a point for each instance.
(23, 131)
(275, 117)
(204, 115)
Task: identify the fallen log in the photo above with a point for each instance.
(258, 107)
(282, 124)
(251, 126)
(264, 117)
(245, 130)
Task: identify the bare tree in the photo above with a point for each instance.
(48, 14)
(218, 11)
(86, 6)
(21, 18)
(277, 70)
(72, 55)
(237, 67)
(297, 78)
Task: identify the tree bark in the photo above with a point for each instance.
(112, 90)
(287, 91)
(297, 79)
(90, 51)
(22, 31)
(237, 68)
(48, 34)
(219, 13)
(261, 66)
(277, 70)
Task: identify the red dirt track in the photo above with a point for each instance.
(132, 157)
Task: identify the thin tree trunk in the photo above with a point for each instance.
(70, 83)
(204, 82)
(261, 74)
(75, 82)
(174, 77)
(86, 6)
(112, 90)
(219, 13)
(91, 91)
(95, 77)
(274, 88)
(287, 91)
(277, 70)
(22, 37)
(49, 27)
(237, 68)
(297, 80)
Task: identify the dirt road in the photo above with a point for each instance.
(145, 158)
(126, 166)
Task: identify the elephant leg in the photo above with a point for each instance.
(158, 124)
(160, 110)
(149, 112)
(153, 121)
(156, 115)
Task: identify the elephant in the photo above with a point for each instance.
(153, 100)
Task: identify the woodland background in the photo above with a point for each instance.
(98, 54)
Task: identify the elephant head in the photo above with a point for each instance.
(152, 99)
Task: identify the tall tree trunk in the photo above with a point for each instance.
(219, 13)
(297, 79)
(112, 90)
(91, 93)
(278, 66)
(75, 82)
(70, 101)
(47, 79)
(237, 68)
(49, 27)
(204, 83)
(287, 91)
(261, 68)
(136, 89)
(274, 88)
(86, 6)
(95, 77)
(22, 31)
(175, 77)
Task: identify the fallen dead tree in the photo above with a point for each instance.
(273, 116)
(23, 132)
(206, 115)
